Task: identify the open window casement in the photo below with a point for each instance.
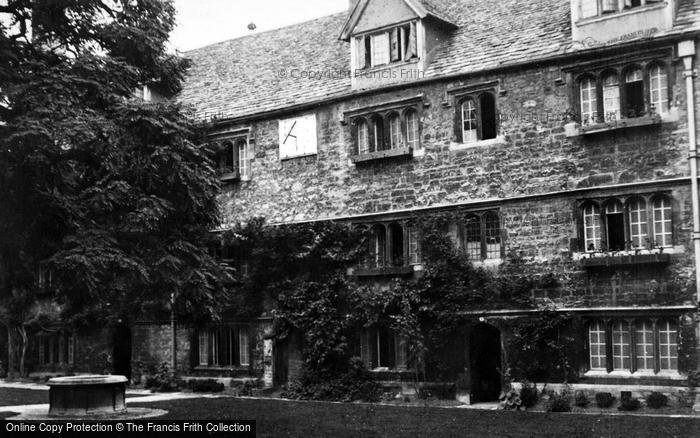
(395, 45)
(412, 38)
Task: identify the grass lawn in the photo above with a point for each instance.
(14, 397)
(310, 419)
(278, 418)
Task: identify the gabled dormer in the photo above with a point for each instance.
(392, 41)
(608, 22)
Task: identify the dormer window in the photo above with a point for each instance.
(396, 44)
(594, 8)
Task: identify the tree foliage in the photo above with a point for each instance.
(106, 191)
(300, 271)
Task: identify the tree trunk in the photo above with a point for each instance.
(23, 355)
(11, 372)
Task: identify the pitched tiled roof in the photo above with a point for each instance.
(268, 71)
(688, 13)
(504, 32)
(262, 72)
(437, 8)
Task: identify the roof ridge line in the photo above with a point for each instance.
(277, 29)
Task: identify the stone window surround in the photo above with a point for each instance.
(370, 344)
(481, 216)
(625, 200)
(631, 325)
(56, 349)
(384, 112)
(455, 96)
(363, 44)
(231, 139)
(213, 359)
(599, 70)
(384, 258)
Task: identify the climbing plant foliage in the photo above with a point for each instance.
(301, 271)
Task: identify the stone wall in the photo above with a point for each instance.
(152, 344)
(530, 157)
(533, 172)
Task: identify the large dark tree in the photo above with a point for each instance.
(107, 192)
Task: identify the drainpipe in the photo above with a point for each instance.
(686, 51)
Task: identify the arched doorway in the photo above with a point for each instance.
(485, 363)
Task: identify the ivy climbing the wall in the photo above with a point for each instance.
(299, 273)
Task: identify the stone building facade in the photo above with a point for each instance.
(561, 130)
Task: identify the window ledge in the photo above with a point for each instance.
(382, 155)
(229, 177)
(576, 130)
(217, 368)
(622, 259)
(488, 263)
(390, 370)
(418, 153)
(615, 15)
(385, 271)
(368, 71)
(500, 140)
(295, 157)
(671, 375)
(655, 251)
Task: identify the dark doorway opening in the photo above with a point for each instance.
(397, 248)
(635, 98)
(121, 343)
(485, 358)
(488, 117)
(281, 358)
(616, 231)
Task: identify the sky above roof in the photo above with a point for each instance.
(204, 22)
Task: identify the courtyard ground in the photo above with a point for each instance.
(276, 418)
